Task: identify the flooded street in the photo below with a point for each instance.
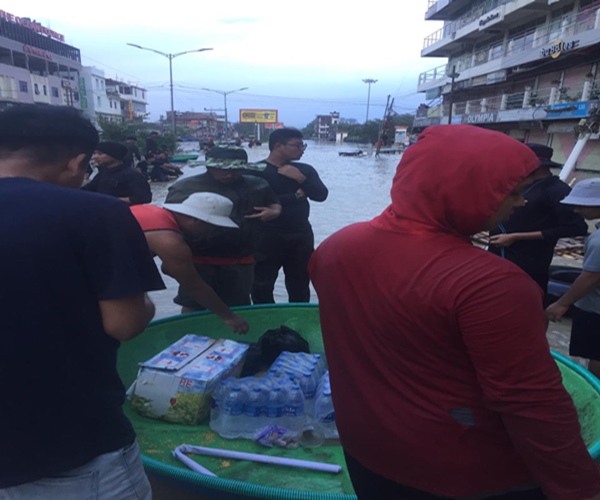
(359, 189)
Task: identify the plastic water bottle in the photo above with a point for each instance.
(218, 397)
(232, 413)
(254, 410)
(325, 415)
(293, 411)
(275, 405)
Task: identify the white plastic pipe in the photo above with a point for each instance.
(569, 166)
(254, 457)
(195, 466)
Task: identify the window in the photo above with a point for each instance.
(143, 94)
(23, 86)
(54, 91)
(76, 96)
(99, 100)
(36, 89)
(45, 89)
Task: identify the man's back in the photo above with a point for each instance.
(64, 251)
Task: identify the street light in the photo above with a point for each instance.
(454, 75)
(369, 81)
(170, 57)
(225, 93)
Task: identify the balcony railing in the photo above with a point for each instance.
(568, 25)
(527, 99)
(450, 27)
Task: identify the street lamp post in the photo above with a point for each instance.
(225, 93)
(170, 57)
(453, 76)
(369, 82)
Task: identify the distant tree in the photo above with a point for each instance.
(309, 130)
(119, 131)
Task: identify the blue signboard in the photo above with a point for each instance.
(568, 110)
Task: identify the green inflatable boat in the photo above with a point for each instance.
(248, 480)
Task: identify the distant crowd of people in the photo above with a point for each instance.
(442, 379)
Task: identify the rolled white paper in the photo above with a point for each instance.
(268, 459)
(190, 463)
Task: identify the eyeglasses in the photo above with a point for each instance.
(299, 145)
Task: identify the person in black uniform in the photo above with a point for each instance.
(288, 241)
(116, 179)
(529, 237)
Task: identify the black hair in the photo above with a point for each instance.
(44, 132)
(131, 137)
(149, 155)
(283, 135)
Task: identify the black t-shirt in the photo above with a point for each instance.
(542, 212)
(121, 182)
(294, 210)
(62, 251)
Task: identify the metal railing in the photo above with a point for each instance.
(569, 24)
(474, 13)
(527, 99)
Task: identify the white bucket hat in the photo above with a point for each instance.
(585, 193)
(209, 207)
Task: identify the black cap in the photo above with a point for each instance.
(544, 153)
(113, 149)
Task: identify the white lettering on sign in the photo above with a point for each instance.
(32, 25)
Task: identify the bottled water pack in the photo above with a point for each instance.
(295, 395)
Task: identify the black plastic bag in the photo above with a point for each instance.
(271, 344)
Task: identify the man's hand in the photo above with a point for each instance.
(502, 240)
(265, 214)
(555, 312)
(292, 172)
(237, 324)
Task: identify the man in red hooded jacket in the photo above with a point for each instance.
(442, 378)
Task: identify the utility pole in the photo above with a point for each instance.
(369, 82)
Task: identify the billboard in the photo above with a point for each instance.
(258, 116)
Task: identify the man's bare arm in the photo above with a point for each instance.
(124, 319)
(177, 262)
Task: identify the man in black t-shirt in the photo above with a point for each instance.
(288, 241)
(528, 238)
(224, 257)
(75, 270)
(133, 154)
(116, 179)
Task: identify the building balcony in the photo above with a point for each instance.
(530, 105)
(443, 9)
(571, 32)
(483, 20)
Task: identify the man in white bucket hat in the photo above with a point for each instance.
(163, 228)
(584, 293)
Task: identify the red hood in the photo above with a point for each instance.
(454, 179)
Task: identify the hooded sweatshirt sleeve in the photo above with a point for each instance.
(520, 381)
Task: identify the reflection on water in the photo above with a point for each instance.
(359, 189)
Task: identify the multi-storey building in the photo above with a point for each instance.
(96, 104)
(325, 126)
(131, 98)
(203, 124)
(36, 65)
(528, 68)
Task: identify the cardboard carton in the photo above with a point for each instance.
(176, 385)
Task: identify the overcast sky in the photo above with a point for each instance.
(301, 58)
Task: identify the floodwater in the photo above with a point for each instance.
(359, 189)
